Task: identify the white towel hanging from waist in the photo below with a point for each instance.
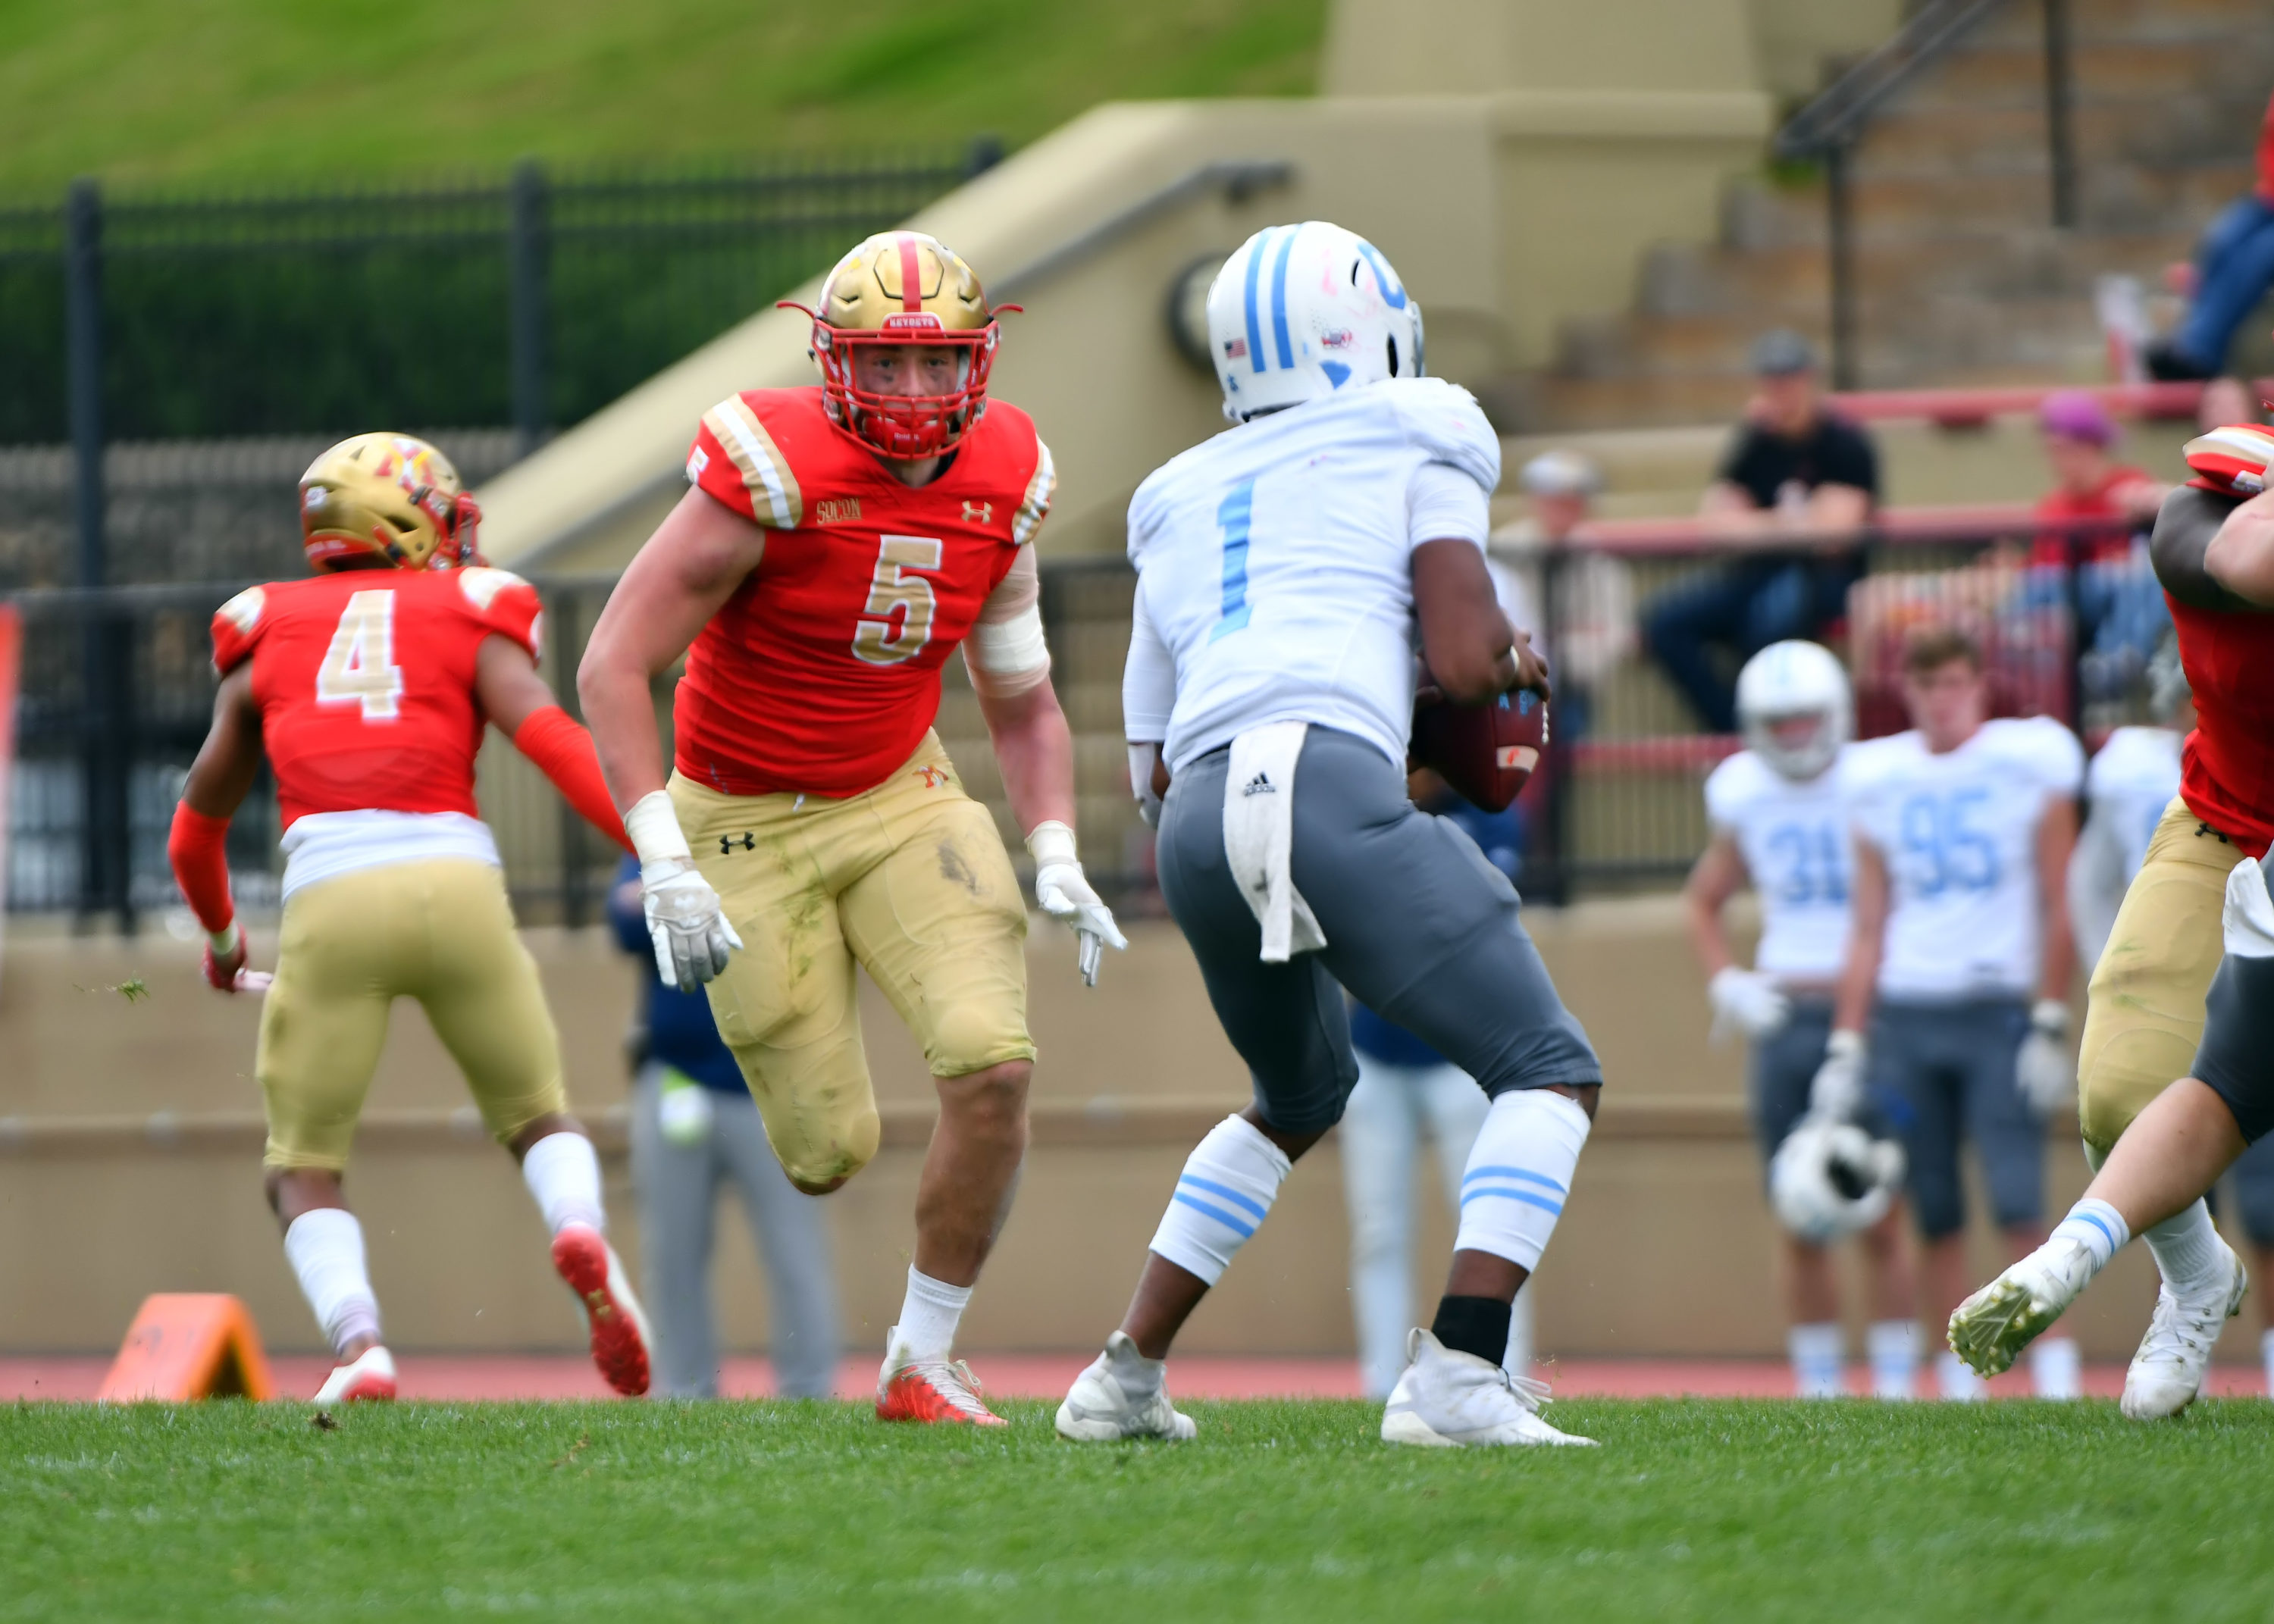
(1259, 837)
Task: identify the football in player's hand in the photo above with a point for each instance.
(1485, 752)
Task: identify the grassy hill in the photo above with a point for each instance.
(260, 90)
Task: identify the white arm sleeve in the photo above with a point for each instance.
(1148, 682)
(1442, 503)
(1005, 653)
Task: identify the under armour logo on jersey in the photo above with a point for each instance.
(1260, 785)
(726, 843)
(933, 777)
(978, 513)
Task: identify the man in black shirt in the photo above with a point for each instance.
(1796, 486)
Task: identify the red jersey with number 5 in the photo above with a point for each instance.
(821, 675)
(365, 681)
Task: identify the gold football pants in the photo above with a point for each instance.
(440, 931)
(2146, 1013)
(910, 881)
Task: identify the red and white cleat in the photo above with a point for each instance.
(619, 1334)
(936, 1391)
(369, 1375)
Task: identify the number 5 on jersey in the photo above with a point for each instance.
(875, 640)
(360, 667)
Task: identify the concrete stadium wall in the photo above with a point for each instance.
(130, 1145)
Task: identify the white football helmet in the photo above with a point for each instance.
(1299, 312)
(1829, 1179)
(1794, 682)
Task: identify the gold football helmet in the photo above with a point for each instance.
(391, 496)
(903, 288)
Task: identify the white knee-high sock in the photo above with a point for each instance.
(1892, 1345)
(324, 1247)
(1519, 1175)
(2056, 1368)
(930, 1314)
(1223, 1196)
(1817, 1351)
(2186, 1248)
(1957, 1382)
(563, 1174)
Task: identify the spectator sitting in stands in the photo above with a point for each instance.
(2235, 265)
(1797, 477)
(1590, 627)
(2088, 484)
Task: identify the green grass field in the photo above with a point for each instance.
(260, 90)
(1692, 1510)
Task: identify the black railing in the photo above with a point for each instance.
(1830, 128)
(527, 301)
(116, 689)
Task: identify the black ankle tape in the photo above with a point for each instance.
(1477, 1325)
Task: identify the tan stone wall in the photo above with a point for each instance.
(130, 1144)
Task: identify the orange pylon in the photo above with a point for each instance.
(188, 1345)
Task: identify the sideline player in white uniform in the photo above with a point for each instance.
(1963, 829)
(1283, 568)
(1780, 824)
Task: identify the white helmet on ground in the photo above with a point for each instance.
(1784, 687)
(1299, 312)
(1829, 1179)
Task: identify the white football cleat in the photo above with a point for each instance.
(619, 1334)
(369, 1376)
(1990, 1328)
(2168, 1371)
(1446, 1398)
(1122, 1395)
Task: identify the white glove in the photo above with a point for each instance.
(2046, 1074)
(1064, 893)
(1746, 1001)
(1837, 1094)
(684, 920)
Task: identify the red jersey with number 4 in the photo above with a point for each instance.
(822, 672)
(365, 681)
(2226, 775)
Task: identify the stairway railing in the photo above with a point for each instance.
(1830, 127)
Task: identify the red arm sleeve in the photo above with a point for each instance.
(563, 752)
(195, 847)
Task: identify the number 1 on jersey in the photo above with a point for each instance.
(1233, 518)
(360, 667)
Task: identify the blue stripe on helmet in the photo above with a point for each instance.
(1279, 299)
(1392, 294)
(1254, 324)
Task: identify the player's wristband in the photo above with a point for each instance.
(654, 825)
(2050, 1015)
(1050, 842)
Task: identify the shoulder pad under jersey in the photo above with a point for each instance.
(1445, 420)
(236, 627)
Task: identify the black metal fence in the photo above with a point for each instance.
(117, 687)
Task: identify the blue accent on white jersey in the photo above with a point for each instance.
(1274, 565)
(1958, 832)
(1794, 840)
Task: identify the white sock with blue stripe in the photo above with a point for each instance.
(1224, 1194)
(2095, 1226)
(1519, 1174)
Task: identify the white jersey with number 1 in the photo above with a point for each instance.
(1958, 832)
(1793, 835)
(1274, 574)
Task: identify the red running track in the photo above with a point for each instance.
(462, 1379)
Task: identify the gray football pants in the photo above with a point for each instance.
(1419, 928)
(678, 1191)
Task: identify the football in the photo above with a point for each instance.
(1486, 752)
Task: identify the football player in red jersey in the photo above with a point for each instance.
(2183, 1112)
(838, 543)
(368, 686)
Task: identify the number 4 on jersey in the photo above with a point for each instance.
(360, 667)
